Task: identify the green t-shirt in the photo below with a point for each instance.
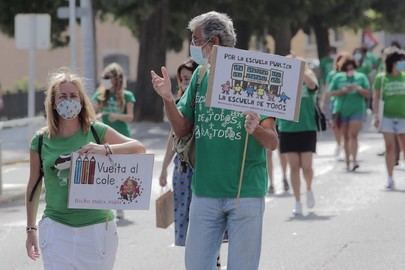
(325, 65)
(112, 107)
(56, 165)
(352, 102)
(306, 121)
(220, 137)
(368, 64)
(393, 94)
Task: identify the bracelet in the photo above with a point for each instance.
(31, 228)
(108, 150)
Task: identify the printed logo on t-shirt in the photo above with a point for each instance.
(62, 165)
(217, 123)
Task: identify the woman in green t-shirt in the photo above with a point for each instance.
(389, 87)
(350, 89)
(70, 238)
(298, 142)
(114, 104)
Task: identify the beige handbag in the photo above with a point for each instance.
(165, 210)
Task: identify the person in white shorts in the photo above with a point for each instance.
(389, 86)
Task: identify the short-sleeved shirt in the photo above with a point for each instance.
(393, 94)
(113, 107)
(56, 166)
(220, 137)
(326, 65)
(351, 103)
(306, 121)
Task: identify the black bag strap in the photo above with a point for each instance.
(41, 171)
(95, 135)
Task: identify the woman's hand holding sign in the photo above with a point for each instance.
(162, 85)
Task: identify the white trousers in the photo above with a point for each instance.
(77, 248)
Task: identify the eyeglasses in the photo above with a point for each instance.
(199, 43)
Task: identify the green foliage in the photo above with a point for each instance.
(387, 15)
(22, 85)
(11, 8)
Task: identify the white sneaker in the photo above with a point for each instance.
(310, 199)
(390, 183)
(297, 211)
(120, 214)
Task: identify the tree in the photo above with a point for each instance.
(12, 8)
(387, 15)
(328, 14)
(148, 21)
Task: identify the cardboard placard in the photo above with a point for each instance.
(114, 182)
(267, 84)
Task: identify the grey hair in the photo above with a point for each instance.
(215, 24)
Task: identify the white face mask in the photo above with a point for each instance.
(197, 54)
(357, 56)
(107, 84)
(69, 108)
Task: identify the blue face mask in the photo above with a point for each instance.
(197, 54)
(400, 66)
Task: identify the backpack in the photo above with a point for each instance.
(185, 146)
(41, 170)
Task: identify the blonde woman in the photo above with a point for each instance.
(114, 104)
(70, 238)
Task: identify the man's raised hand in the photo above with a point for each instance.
(162, 85)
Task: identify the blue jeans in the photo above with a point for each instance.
(209, 217)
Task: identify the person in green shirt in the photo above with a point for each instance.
(216, 204)
(298, 142)
(326, 64)
(70, 238)
(389, 87)
(350, 89)
(328, 103)
(114, 104)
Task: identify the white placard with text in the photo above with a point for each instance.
(267, 84)
(114, 182)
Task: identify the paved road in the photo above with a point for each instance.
(356, 224)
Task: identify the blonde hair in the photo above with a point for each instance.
(86, 115)
(115, 71)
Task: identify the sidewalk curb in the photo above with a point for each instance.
(5, 199)
(17, 161)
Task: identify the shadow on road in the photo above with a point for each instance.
(395, 190)
(124, 223)
(311, 216)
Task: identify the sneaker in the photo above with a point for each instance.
(355, 167)
(120, 214)
(310, 199)
(390, 183)
(297, 211)
(271, 189)
(286, 185)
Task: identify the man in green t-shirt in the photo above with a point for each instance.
(220, 136)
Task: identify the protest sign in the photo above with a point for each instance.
(267, 84)
(110, 182)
